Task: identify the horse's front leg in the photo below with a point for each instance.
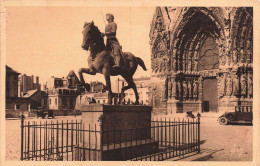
(136, 94)
(108, 87)
(82, 81)
(131, 84)
(123, 93)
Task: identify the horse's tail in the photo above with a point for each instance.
(141, 63)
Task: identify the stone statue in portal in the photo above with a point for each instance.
(195, 89)
(178, 88)
(250, 85)
(190, 89)
(243, 85)
(185, 89)
(235, 86)
(242, 56)
(229, 86)
(155, 66)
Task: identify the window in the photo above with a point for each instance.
(64, 101)
(50, 101)
(56, 101)
(104, 101)
(98, 101)
(17, 106)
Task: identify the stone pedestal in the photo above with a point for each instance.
(227, 104)
(246, 102)
(120, 127)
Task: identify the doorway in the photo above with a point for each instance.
(210, 95)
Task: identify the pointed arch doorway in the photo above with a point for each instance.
(208, 66)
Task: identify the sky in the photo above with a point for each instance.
(46, 41)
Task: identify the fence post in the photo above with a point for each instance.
(198, 132)
(101, 138)
(22, 126)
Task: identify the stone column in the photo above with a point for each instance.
(174, 62)
(169, 88)
(190, 89)
(174, 92)
(178, 60)
(221, 85)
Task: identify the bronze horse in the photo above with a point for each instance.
(100, 61)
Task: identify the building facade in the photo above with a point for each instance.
(11, 83)
(142, 89)
(27, 83)
(15, 104)
(53, 83)
(62, 99)
(201, 58)
(61, 93)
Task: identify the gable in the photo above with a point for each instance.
(158, 23)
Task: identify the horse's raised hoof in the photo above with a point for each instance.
(80, 90)
(87, 87)
(105, 88)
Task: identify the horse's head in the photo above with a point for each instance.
(91, 35)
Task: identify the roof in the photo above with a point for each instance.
(30, 93)
(72, 74)
(10, 70)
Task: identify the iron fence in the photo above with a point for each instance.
(66, 141)
(54, 141)
(175, 138)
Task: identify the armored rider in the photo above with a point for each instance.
(112, 42)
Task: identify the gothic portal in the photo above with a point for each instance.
(201, 58)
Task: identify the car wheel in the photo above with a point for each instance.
(223, 121)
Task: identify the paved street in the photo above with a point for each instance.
(222, 142)
(226, 143)
(219, 143)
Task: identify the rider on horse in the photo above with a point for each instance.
(112, 42)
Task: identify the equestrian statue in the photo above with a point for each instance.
(108, 59)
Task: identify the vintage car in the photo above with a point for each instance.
(41, 112)
(242, 114)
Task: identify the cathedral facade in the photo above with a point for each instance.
(201, 58)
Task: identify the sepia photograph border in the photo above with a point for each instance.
(136, 3)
